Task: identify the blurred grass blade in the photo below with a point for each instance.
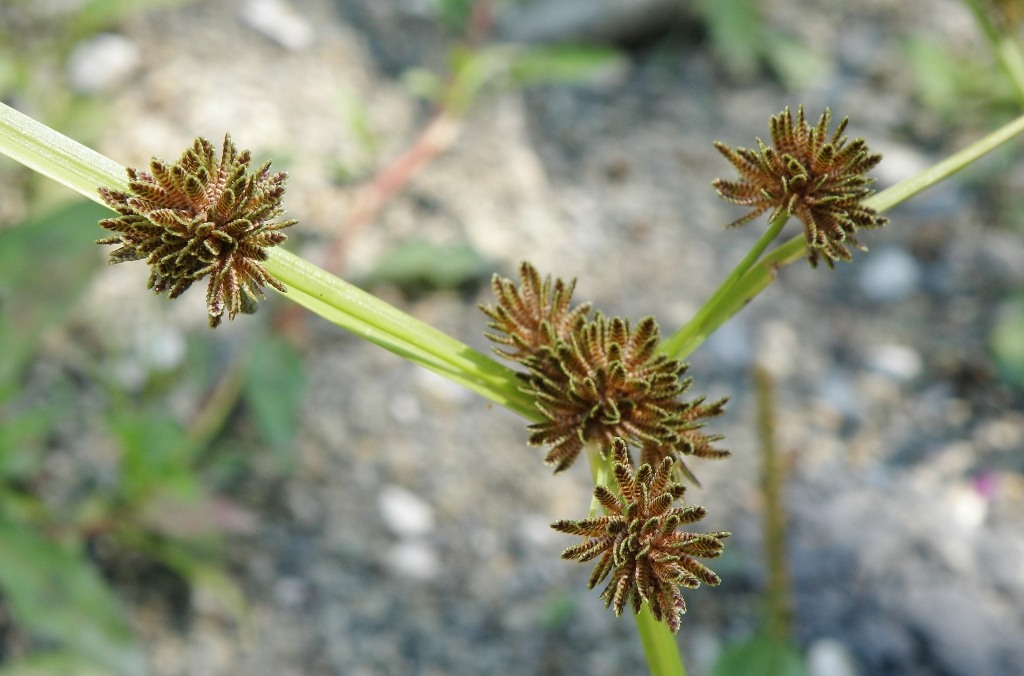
(762, 655)
(55, 594)
(564, 64)
(56, 156)
(45, 264)
(274, 389)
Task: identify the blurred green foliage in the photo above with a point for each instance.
(158, 503)
(416, 266)
(743, 44)
(960, 88)
(761, 655)
(1007, 340)
(159, 499)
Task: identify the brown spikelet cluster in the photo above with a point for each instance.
(637, 539)
(201, 216)
(596, 378)
(817, 177)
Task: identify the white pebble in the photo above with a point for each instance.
(899, 362)
(830, 657)
(101, 63)
(406, 514)
(280, 22)
(414, 559)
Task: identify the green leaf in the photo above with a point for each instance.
(761, 655)
(736, 36)
(21, 436)
(275, 386)
(156, 456)
(55, 594)
(45, 263)
(564, 64)
(95, 15)
(1007, 341)
(417, 265)
(454, 13)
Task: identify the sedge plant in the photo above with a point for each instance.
(610, 389)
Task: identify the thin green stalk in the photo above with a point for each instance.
(663, 655)
(773, 479)
(695, 329)
(370, 318)
(83, 170)
(733, 294)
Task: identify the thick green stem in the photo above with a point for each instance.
(382, 324)
(733, 294)
(56, 156)
(660, 648)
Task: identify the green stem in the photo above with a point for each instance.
(696, 328)
(370, 318)
(663, 655)
(84, 170)
(56, 156)
(773, 479)
(734, 294)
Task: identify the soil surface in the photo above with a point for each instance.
(411, 535)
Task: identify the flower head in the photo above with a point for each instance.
(533, 317)
(200, 216)
(641, 548)
(594, 379)
(816, 177)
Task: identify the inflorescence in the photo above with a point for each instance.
(599, 381)
(641, 548)
(816, 177)
(598, 378)
(201, 216)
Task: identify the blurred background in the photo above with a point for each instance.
(277, 496)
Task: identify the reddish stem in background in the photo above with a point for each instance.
(436, 137)
(371, 197)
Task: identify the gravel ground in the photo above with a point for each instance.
(412, 535)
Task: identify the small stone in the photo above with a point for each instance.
(899, 362)
(291, 591)
(405, 408)
(280, 22)
(889, 275)
(406, 514)
(101, 63)
(830, 657)
(838, 391)
(414, 559)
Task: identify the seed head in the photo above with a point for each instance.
(641, 548)
(596, 379)
(816, 177)
(201, 216)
